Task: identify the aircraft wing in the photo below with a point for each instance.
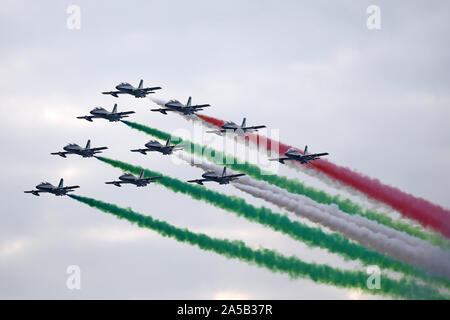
(34, 192)
(113, 93)
(61, 154)
(253, 127)
(151, 179)
(198, 181)
(315, 155)
(124, 113)
(199, 106)
(98, 149)
(151, 89)
(181, 146)
(234, 175)
(88, 118)
(69, 188)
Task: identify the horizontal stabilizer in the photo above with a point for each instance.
(151, 89)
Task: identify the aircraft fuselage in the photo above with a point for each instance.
(156, 146)
(76, 149)
(128, 88)
(211, 176)
(48, 187)
(106, 115)
(179, 107)
(129, 178)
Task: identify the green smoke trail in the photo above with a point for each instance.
(267, 258)
(295, 186)
(311, 236)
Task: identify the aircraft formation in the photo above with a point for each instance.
(155, 146)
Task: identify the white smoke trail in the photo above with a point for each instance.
(396, 244)
(158, 101)
(195, 119)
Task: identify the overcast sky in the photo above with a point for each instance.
(376, 100)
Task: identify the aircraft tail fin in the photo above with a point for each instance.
(243, 123)
(168, 142)
(141, 84)
(142, 174)
(188, 104)
(224, 171)
(61, 182)
(114, 110)
(88, 144)
(306, 150)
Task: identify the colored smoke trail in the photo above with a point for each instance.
(311, 236)
(419, 209)
(366, 232)
(269, 259)
(294, 186)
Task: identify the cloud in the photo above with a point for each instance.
(12, 248)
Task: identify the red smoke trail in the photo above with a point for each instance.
(421, 210)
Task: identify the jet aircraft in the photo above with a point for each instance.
(241, 130)
(177, 106)
(295, 155)
(221, 179)
(46, 187)
(126, 88)
(132, 179)
(102, 113)
(73, 148)
(154, 145)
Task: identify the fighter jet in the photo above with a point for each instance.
(238, 129)
(127, 88)
(154, 145)
(131, 179)
(102, 113)
(49, 188)
(212, 176)
(295, 155)
(177, 106)
(73, 148)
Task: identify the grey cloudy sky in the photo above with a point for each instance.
(377, 101)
